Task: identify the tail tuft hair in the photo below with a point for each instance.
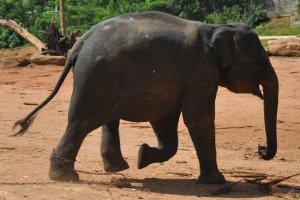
(25, 124)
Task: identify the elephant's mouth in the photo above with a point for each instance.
(257, 92)
(231, 80)
(251, 87)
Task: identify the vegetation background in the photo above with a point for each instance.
(35, 15)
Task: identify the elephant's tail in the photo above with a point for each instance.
(28, 120)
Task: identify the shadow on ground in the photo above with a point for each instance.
(188, 187)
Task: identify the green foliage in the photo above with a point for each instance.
(227, 15)
(35, 15)
(82, 15)
(277, 27)
(250, 15)
(9, 39)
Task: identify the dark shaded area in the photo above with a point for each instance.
(56, 43)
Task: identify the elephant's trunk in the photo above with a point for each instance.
(270, 88)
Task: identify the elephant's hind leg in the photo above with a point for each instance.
(63, 157)
(110, 148)
(166, 132)
(81, 121)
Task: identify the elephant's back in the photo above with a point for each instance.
(130, 32)
(154, 17)
(144, 39)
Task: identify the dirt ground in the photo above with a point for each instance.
(24, 161)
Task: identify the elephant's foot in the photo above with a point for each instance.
(113, 160)
(143, 157)
(114, 164)
(148, 155)
(211, 178)
(62, 169)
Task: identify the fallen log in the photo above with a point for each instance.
(11, 24)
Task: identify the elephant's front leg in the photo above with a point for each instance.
(166, 132)
(199, 115)
(110, 148)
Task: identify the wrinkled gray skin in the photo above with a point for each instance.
(152, 67)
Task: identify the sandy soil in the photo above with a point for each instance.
(24, 161)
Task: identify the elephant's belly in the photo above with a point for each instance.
(149, 105)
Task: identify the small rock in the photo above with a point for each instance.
(247, 156)
(120, 182)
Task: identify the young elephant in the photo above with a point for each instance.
(151, 67)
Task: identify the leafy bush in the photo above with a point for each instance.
(251, 15)
(10, 39)
(227, 15)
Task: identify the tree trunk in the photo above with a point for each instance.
(62, 17)
(23, 33)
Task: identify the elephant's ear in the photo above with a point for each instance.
(222, 40)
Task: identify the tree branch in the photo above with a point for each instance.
(23, 33)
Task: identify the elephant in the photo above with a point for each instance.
(152, 67)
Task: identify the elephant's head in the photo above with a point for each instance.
(244, 65)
